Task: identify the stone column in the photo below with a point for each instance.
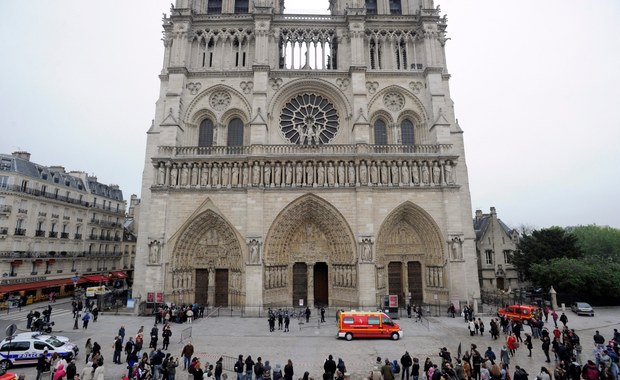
(310, 269)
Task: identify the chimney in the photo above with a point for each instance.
(57, 168)
(22, 154)
(478, 215)
(493, 213)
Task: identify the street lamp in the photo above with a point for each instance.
(75, 280)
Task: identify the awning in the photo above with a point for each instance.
(119, 274)
(34, 285)
(93, 278)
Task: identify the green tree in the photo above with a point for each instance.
(600, 242)
(542, 246)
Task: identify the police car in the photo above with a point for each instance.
(26, 348)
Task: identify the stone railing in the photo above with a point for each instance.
(385, 172)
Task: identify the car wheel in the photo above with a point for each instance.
(395, 336)
(5, 365)
(348, 336)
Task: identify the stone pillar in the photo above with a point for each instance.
(554, 298)
(254, 289)
(310, 269)
(367, 286)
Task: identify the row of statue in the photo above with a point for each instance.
(303, 174)
(344, 276)
(276, 277)
(435, 277)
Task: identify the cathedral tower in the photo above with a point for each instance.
(307, 159)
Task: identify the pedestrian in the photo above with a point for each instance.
(329, 367)
(95, 312)
(267, 370)
(60, 372)
(71, 370)
(546, 343)
(520, 373)
(128, 348)
(259, 368)
(528, 344)
(322, 314)
(249, 367)
(43, 364)
(288, 370)
(218, 368)
(472, 327)
(280, 319)
(85, 320)
(166, 334)
(544, 374)
(186, 353)
(99, 373)
(481, 326)
(307, 312)
(415, 369)
(277, 372)
(118, 348)
(88, 349)
(190, 316)
(121, 333)
(563, 319)
(490, 355)
(406, 362)
(239, 367)
(171, 368)
(341, 367)
(554, 315)
(154, 337)
(29, 319)
(386, 370)
(287, 322)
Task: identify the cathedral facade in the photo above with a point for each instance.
(305, 159)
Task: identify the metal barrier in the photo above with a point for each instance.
(186, 333)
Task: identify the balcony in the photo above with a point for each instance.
(5, 209)
(39, 233)
(64, 235)
(20, 232)
(4, 231)
(77, 236)
(93, 237)
(53, 234)
(22, 211)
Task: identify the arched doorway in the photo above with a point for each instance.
(410, 254)
(310, 254)
(207, 263)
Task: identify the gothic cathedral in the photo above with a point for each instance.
(305, 159)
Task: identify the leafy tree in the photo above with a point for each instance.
(597, 241)
(595, 277)
(542, 246)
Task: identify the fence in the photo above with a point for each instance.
(186, 333)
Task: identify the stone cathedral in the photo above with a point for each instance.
(305, 159)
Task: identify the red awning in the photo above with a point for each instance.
(94, 278)
(119, 274)
(34, 285)
(17, 262)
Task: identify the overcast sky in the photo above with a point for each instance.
(535, 85)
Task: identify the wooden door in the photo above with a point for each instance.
(414, 275)
(395, 281)
(300, 283)
(221, 287)
(320, 284)
(202, 284)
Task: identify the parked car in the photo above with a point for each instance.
(582, 308)
(25, 348)
(522, 313)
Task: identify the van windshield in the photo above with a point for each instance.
(387, 321)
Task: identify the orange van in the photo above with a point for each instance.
(522, 313)
(369, 324)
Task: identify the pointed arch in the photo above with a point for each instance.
(306, 221)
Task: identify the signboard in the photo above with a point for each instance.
(22, 280)
(301, 302)
(131, 303)
(150, 297)
(393, 300)
(159, 298)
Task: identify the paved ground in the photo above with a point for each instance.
(306, 345)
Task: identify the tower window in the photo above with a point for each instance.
(395, 8)
(371, 7)
(242, 6)
(406, 132)
(380, 133)
(205, 133)
(235, 132)
(215, 6)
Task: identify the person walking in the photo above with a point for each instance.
(186, 353)
(121, 333)
(307, 312)
(128, 349)
(287, 322)
(405, 362)
(217, 373)
(118, 348)
(85, 320)
(88, 349)
(322, 314)
(43, 364)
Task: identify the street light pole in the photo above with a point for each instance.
(75, 279)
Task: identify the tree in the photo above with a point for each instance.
(600, 242)
(542, 246)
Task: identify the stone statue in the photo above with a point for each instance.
(245, 175)
(184, 175)
(341, 174)
(309, 174)
(384, 173)
(277, 174)
(320, 174)
(449, 175)
(234, 175)
(366, 250)
(267, 174)
(204, 175)
(255, 174)
(154, 249)
(415, 173)
(254, 252)
(161, 174)
(404, 173)
(394, 172)
(374, 174)
(288, 174)
(363, 173)
(299, 174)
(215, 175)
(225, 174)
(436, 174)
(351, 173)
(425, 174)
(331, 174)
(173, 175)
(194, 175)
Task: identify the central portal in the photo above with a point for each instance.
(321, 293)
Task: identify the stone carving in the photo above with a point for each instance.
(448, 173)
(254, 246)
(225, 175)
(215, 175)
(404, 174)
(394, 101)
(184, 174)
(381, 277)
(204, 175)
(456, 247)
(436, 173)
(351, 173)
(275, 83)
(374, 174)
(246, 87)
(245, 175)
(275, 277)
(371, 87)
(161, 174)
(320, 174)
(344, 276)
(309, 119)
(234, 179)
(425, 174)
(363, 174)
(342, 83)
(193, 87)
(435, 277)
(331, 174)
(194, 174)
(288, 174)
(255, 174)
(174, 173)
(341, 174)
(277, 174)
(220, 100)
(384, 173)
(154, 252)
(299, 174)
(415, 173)
(394, 174)
(309, 174)
(267, 174)
(416, 87)
(366, 250)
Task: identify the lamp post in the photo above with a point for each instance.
(75, 280)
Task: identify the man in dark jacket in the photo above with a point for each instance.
(405, 362)
(71, 370)
(239, 368)
(43, 364)
(118, 348)
(520, 373)
(330, 366)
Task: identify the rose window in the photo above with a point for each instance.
(220, 100)
(394, 101)
(309, 119)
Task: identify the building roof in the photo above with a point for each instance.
(482, 222)
(53, 174)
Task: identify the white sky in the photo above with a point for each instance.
(535, 85)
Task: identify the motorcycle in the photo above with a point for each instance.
(41, 326)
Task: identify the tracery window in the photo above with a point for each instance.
(380, 132)
(205, 133)
(215, 6)
(242, 6)
(406, 132)
(235, 132)
(371, 7)
(395, 7)
(400, 49)
(309, 119)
